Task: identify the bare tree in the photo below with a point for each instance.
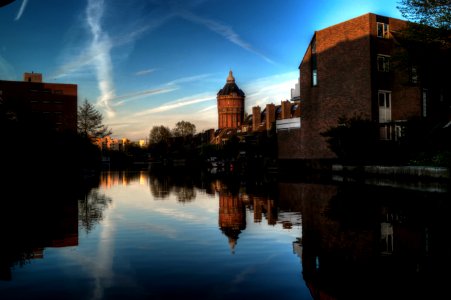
(89, 122)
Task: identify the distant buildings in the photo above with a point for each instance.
(232, 120)
(40, 104)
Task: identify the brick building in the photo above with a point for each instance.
(348, 70)
(40, 104)
(230, 102)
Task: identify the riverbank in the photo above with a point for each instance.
(421, 178)
(394, 171)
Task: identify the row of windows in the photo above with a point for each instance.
(384, 99)
(383, 61)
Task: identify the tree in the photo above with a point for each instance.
(353, 139)
(184, 128)
(432, 13)
(89, 122)
(425, 50)
(159, 134)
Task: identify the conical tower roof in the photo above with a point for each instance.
(230, 87)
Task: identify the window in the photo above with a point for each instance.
(384, 98)
(382, 30)
(413, 74)
(424, 102)
(383, 63)
(314, 77)
(313, 46)
(314, 63)
(386, 130)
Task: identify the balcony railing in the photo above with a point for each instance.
(392, 131)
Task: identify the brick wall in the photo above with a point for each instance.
(348, 81)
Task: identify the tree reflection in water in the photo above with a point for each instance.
(47, 217)
(182, 184)
(91, 208)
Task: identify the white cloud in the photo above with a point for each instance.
(144, 72)
(177, 104)
(133, 96)
(21, 10)
(225, 31)
(100, 49)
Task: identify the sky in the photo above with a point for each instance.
(146, 63)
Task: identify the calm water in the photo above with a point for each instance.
(135, 235)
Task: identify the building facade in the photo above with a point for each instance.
(37, 103)
(230, 103)
(348, 71)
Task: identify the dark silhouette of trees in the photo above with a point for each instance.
(159, 134)
(184, 128)
(427, 40)
(89, 122)
(353, 139)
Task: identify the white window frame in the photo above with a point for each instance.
(314, 77)
(384, 114)
(384, 32)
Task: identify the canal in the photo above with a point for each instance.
(144, 235)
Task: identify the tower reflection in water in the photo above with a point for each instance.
(355, 241)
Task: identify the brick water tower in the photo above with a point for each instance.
(230, 104)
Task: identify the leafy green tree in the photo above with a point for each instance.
(432, 13)
(184, 128)
(89, 122)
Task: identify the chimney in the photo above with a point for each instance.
(270, 115)
(256, 117)
(286, 109)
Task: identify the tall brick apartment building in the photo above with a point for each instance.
(38, 103)
(347, 71)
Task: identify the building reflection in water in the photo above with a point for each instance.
(234, 201)
(50, 218)
(31, 223)
(355, 241)
(367, 242)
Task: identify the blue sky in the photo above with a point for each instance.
(145, 63)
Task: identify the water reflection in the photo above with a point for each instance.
(348, 240)
(91, 208)
(368, 242)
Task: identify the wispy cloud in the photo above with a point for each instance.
(177, 104)
(225, 31)
(144, 72)
(206, 109)
(129, 97)
(21, 10)
(6, 70)
(271, 89)
(100, 49)
(188, 79)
